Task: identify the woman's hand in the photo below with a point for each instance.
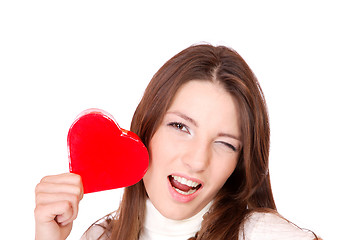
(57, 204)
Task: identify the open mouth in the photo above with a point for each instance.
(183, 186)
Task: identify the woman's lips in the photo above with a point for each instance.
(183, 189)
(183, 184)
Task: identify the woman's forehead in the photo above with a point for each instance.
(206, 101)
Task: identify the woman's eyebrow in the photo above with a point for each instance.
(191, 120)
(185, 117)
(229, 135)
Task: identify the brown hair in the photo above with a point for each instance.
(248, 188)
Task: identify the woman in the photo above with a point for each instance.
(204, 121)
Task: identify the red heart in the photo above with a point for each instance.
(103, 154)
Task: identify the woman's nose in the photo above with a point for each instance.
(197, 157)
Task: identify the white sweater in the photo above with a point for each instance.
(260, 226)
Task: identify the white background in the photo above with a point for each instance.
(59, 58)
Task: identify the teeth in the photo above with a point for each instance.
(185, 181)
(185, 193)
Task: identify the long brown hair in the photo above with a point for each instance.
(248, 188)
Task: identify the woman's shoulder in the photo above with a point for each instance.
(271, 226)
(93, 233)
(98, 231)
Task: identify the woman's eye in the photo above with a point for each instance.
(228, 145)
(179, 126)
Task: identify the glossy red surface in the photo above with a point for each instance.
(103, 154)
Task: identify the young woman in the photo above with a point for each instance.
(204, 121)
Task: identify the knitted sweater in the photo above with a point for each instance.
(259, 226)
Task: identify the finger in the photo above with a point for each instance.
(45, 187)
(62, 178)
(46, 198)
(48, 212)
(50, 198)
(65, 178)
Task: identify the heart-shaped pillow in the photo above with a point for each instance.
(103, 154)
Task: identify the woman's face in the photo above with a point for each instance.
(194, 150)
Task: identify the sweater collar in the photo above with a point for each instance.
(156, 223)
